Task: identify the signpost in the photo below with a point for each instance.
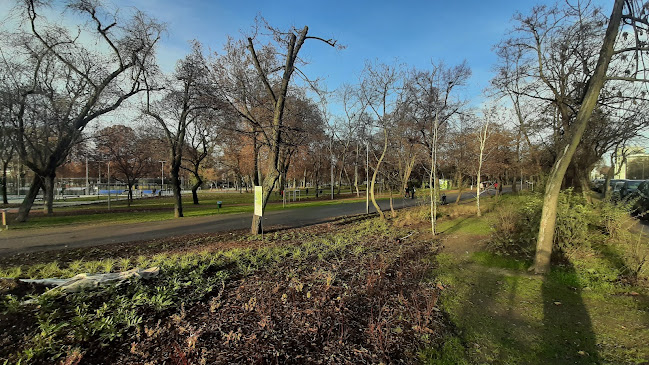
(259, 207)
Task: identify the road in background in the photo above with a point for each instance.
(46, 239)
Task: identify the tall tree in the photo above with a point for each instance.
(634, 17)
(60, 83)
(380, 88)
(187, 98)
(273, 65)
(433, 105)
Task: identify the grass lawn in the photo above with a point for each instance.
(358, 290)
(161, 208)
(581, 313)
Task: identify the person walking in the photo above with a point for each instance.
(412, 193)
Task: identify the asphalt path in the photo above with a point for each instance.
(46, 239)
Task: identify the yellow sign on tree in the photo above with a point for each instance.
(259, 201)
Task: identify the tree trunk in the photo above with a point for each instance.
(358, 193)
(477, 196)
(267, 188)
(48, 203)
(4, 185)
(393, 213)
(175, 185)
(460, 186)
(606, 188)
(256, 173)
(549, 213)
(304, 179)
(195, 191)
(459, 194)
(199, 182)
(129, 198)
(583, 182)
(27, 203)
(376, 171)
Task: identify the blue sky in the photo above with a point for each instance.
(413, 32)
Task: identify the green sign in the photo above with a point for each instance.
(259, 201)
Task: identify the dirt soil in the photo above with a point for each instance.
(374, 306)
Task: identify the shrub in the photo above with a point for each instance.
(518, 220)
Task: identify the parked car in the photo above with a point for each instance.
(629, 187)
(615, 190)
(640, 198)
(597, 185)
(611, 183)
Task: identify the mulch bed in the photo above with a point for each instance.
(357, 309)
(353, 308)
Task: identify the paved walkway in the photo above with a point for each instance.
(46, 239)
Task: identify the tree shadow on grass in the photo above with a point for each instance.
(568, 335)
(506, 316)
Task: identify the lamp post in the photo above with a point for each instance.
(108, 177)
(162, 175)
(87, 180)
(98, 177)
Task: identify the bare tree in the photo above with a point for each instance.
(634, 18)
(274, 65)
(129, 152)
(7, 150)
(430, 94)
(483, 137)
(201, 136)
(60, 84)
(187, 98)
(380, 88)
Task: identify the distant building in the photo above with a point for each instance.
(636, 165)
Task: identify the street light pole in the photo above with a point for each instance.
(87, 180)
(108, 177)
(98, 177)
(162, 175)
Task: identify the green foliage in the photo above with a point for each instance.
(518, 220)
(9, 304)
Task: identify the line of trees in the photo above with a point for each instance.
(570, 87)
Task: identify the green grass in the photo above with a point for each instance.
(577, 314)
(468, 225)
(159, 209)
(580, 313)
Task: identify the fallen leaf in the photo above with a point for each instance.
(557, 303)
